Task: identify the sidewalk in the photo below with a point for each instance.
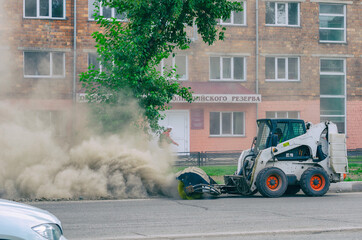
(346, 187)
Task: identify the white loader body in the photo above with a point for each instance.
(325, 135)
(286, 156)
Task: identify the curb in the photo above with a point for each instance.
(346, 187)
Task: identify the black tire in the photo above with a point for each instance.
(252, 193)
(315, 182)
(271, 182)
(292, 190)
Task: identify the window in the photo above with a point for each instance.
(107, 12)
(297, 129)
(282, 114)
(282, 128)
(179, 62)
(227, 68)
(52, 120)
(44, 64)
(282, 68)
(290, 130)
(227, 124)
(282, 14)
(236, 18)
(332, 23)
(44, 9)
(93, 60)
(332, 91)
(262, 139)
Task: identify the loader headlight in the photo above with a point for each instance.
(49, 231)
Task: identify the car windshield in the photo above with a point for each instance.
(263, 134)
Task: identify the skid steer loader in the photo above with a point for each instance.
(287, 155)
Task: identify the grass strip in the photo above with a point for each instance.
(354, 164)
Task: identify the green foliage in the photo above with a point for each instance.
(129, 52)
(355, 165)
(354, 159)
(355, 169)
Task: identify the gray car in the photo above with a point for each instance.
(20, 221)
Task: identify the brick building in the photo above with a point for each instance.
(285, 59)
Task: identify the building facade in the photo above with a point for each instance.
(280, 59)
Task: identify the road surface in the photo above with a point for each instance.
(334, 216)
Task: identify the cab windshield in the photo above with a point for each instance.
(263, 134)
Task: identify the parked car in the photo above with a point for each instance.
(22, 222)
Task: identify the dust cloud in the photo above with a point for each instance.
(36, 164)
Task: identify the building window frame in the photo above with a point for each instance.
(278, 63)
(335, 15)
(285, 114)
(51, 66)
(232, 18)
(51, 119)
(163, 65)
(122, 18)
(221, 64)
(101, 67)
(277, 18)
(95, 57)
(343, 96)
(219, 121)
(38, 10)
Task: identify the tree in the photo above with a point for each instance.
(130, 51)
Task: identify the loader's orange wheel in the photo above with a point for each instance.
(273, 182)
(317, 182)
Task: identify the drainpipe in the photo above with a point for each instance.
(257, 54)
(74, 93)
(75, 52)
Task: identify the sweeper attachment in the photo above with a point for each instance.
(287, 155)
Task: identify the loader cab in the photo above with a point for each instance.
(271, 132)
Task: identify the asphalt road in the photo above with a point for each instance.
(334, 216)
